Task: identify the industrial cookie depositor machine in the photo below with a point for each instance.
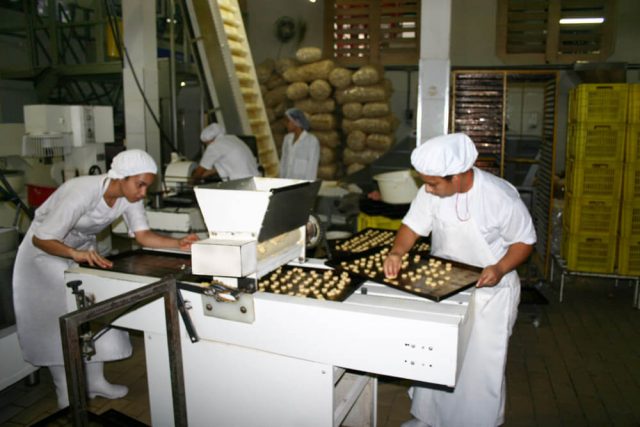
(295, 360)
(255, 225)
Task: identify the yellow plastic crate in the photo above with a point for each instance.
(596, 141)
(629, 256)
(591, 214)
(632, 144)
(589, 252)
(594, 178)
(634, 103)
(377, 221)
(630, 219)
(631, 179)
(599, 103)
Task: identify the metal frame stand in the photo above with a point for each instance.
(71, 323)
(565, 272)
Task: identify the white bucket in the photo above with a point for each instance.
(397, 187)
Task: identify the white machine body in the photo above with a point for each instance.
(77, 133)
(301, 361)
(235, 213)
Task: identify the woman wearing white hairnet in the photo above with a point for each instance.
(300, 149)
(226, 155)
(62, 233)
(475, 218)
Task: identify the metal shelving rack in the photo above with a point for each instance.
(478, 108)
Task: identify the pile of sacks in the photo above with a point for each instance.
(367, 123)
(310, 91)
(351, 136)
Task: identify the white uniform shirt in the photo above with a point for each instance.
(73, 214)
(300, 160)
(494, 204)
(231, 158)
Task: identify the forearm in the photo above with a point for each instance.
(516, 255)
(54, 247)
(404, 241)
(154, 240)
(57, 248)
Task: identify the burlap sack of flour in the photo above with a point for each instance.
(312, 106)
(320, 90)
(310, 72)
(322, 121)
(297, 91)
(367, 75)
(352, 110)
(362, 94)
(328, 138)
(307, 55)
(340, 77)
(357, 140)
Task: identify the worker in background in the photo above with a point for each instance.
(62, 234)
(475, 218)
(300, 149)
(225, 155)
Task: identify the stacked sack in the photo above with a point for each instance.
(310, 91)
(274, 93)
(367, 121)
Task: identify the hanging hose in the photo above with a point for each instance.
(10, 195)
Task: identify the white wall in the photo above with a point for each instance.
(260, 22)
(473, 33)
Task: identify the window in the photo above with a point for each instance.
(554, 31)
(378, 31)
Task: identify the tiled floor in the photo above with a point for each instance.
(570, 364)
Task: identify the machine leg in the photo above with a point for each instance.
(636, 297)
(561, 285)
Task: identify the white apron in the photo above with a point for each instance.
(39, 295)
(479, 395)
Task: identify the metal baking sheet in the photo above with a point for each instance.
(309, 282)
(153, 264)
(371, 239)
(412, 277)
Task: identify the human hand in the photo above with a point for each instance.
(92, 258)
(185, 242)
(392, 264)
(490, 276)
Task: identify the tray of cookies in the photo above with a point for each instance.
(309, 282)
(371, 239)
(423, 275)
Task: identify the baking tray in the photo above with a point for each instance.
(371, 240)
(412, 277)
(299, 281)
(153, 264)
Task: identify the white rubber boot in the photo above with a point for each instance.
(97, 384)
(60, 382)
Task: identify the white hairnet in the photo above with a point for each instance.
(211, 132)
(298, 117)
(445, 155)
(131, 162)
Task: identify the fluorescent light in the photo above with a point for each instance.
(578, 21)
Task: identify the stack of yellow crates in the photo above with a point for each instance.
(629, 244)
(594, 174)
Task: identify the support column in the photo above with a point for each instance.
(139, 28)
(433, 88)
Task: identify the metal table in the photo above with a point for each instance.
(564, 271)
